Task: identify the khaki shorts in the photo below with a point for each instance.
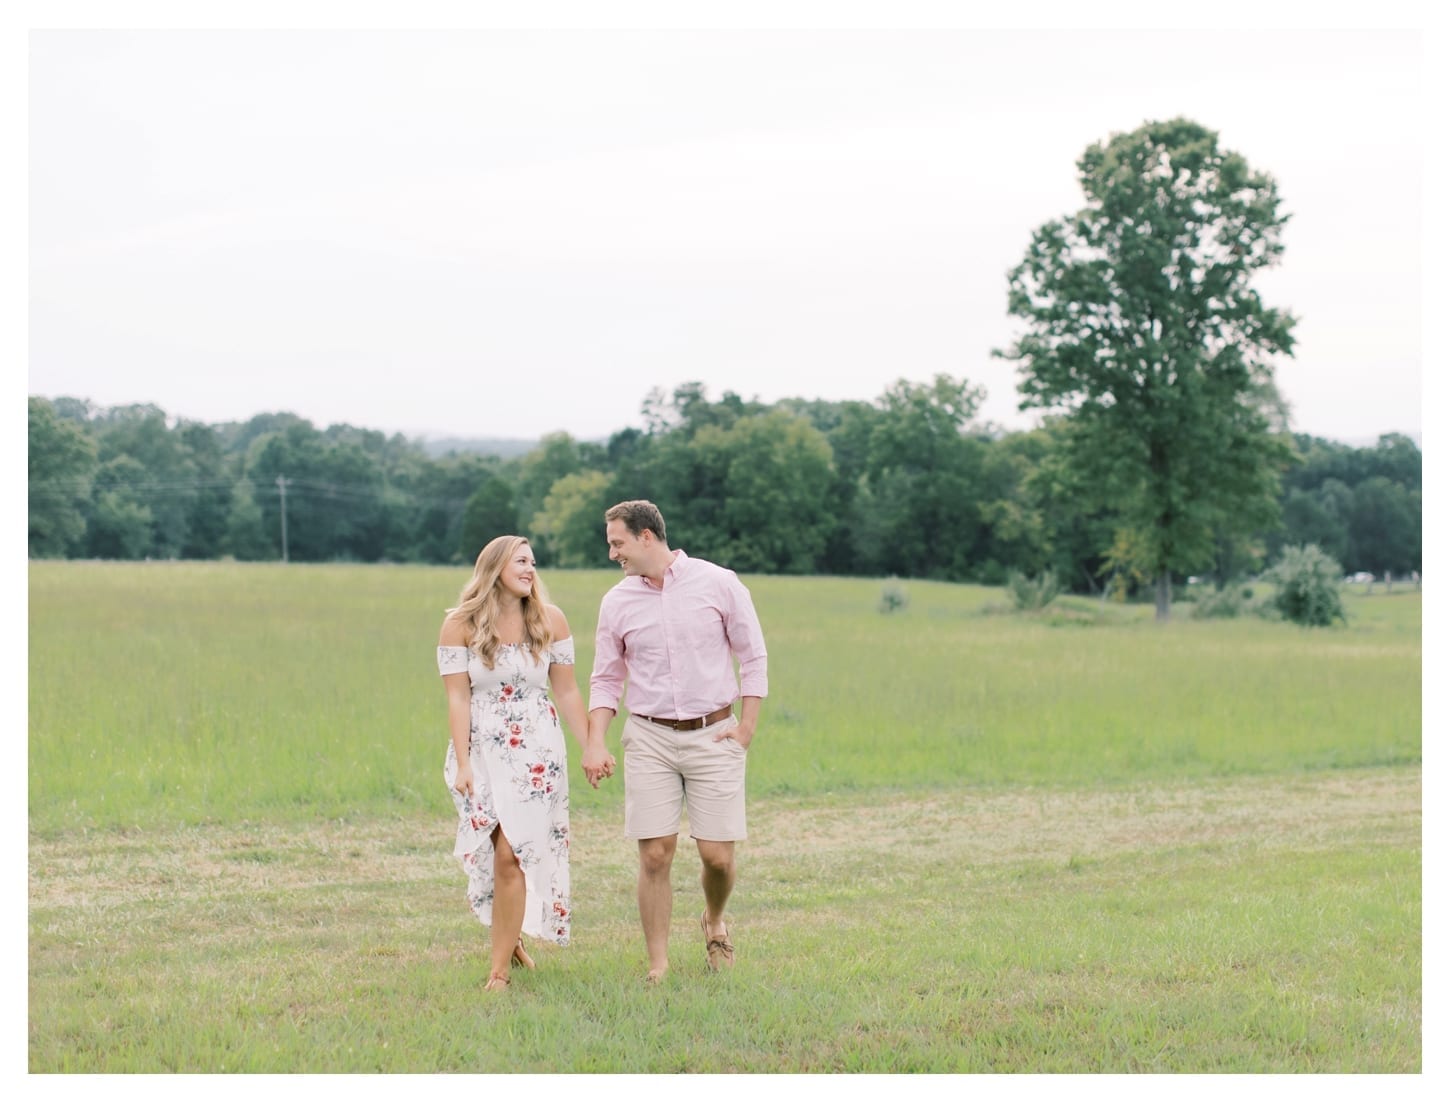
(665, 768)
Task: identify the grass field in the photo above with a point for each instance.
(1074, 841)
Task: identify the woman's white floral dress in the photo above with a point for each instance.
(520, 782)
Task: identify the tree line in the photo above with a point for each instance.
(909, 484)
(1164, 449)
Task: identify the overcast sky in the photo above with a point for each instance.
(506, 233)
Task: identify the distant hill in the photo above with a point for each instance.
(503, 447)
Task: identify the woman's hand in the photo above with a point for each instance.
(598, 763)
(463, 782)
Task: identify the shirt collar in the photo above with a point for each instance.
(677, 564)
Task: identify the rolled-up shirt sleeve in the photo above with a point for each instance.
(606, 681)
(747, 641)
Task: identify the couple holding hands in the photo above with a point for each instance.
(672, 630)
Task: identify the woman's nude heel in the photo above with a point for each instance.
(522, 958)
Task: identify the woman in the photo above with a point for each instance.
(506, 766)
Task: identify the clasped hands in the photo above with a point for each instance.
(598, 763)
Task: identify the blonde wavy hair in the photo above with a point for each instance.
(478, 603)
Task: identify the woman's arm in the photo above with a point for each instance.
(597, 761)
(460, 703)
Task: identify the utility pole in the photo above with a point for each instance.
(282, 484)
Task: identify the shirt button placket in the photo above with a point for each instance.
(665, 604)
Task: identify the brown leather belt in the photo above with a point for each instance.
(690, 724)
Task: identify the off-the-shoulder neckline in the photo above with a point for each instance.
(459, 646)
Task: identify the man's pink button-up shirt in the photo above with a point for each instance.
(673, 644)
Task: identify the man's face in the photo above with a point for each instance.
(625, 547)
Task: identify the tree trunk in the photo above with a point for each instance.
(1163, 596)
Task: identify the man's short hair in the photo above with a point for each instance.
(638, 516)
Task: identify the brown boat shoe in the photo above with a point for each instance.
(719, 953)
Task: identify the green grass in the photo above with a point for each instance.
(1259, 926)
(213, 692)
(980, 841)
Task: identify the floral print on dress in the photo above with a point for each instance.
(561, 917)
(520, 781)
(540, 781)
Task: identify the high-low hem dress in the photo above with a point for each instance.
(520, 782)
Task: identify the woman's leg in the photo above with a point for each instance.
(508, 905)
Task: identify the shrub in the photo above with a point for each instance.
(1030, 594)
(1221, 603)
(893, 597)
(1306, 587)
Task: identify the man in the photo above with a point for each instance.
(670, 629)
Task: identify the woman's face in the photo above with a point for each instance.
(518, 573)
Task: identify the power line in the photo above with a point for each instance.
(318, 491)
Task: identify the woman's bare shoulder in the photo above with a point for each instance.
(558, 624)
(454, 632)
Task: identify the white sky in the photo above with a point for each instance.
(500, 232)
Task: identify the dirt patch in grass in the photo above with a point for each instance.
(972, 827)
(1028, 825)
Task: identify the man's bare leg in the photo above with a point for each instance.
(655, 857)
(717, 877)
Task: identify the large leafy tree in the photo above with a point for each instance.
(1142, 327)
(848, 427)
(1077, 535)
(246, 535)
(206, 522)
(1385, 527)
(491, 511)
(571, 521)
(918, 508)
(292, 455)
(160, 480)
(62, 462)
(682, 465)
(1320, 517)
(555, 456)
(121, 525)
(778, 481)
